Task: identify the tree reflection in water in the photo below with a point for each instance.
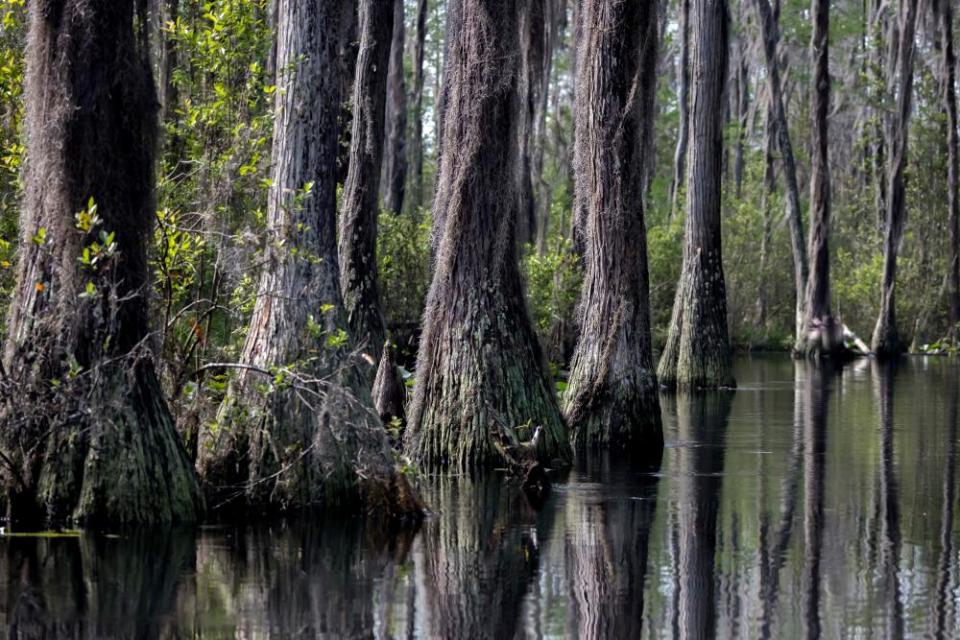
(609, 521)
(813, 502)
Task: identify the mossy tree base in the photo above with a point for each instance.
(100, 453)
(476, 376)
(697, 353)
(314, 446)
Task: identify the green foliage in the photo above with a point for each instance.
(403, 258)
(553, 282)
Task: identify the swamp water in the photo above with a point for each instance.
(809, 502)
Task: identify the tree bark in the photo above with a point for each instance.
(532, 90)
(769, 192)
(697, 353)
(88, 436)
(360, 208)
(949, 82)
(743, 105)
(416, 196)
(771, 37)
(612, 395)
(821, 335)
(479, 366)
(306, 434)
(886, 342)
(393, 184)
(683, 98)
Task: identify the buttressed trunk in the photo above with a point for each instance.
(87, 433)
(697, 352)
(358, 215)
(612, 396)
(821, 336)
(886, 341)
(479, 367)
(305, 434)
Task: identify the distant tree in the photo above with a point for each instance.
(360, 206)
(697, 353)
(771, 36)
(886, 340)
(393, 183)
(87, 435)
(820, 335)
(948, 71)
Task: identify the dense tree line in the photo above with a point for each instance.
(484, 205)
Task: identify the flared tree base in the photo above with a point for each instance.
(304, 448)
(99, 453)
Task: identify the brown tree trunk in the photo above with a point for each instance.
(393, 182)
(612, 396)
(417, 195)
(479, 367)
(530, 85)
(743, 105)
(886, 342)
(821, 335)
(697, 353)
(771, 38)
(683, 98)
(949, 81)
(360, 208)
(348, 43)
(306, 433)
(87, 434)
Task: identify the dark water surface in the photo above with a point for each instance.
(808, 503)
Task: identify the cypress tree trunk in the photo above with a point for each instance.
(821, 335)
(886, 342)
(683, 133)
(479, 367)
(358, 214)
(612, 396)
(87, 433)
(949, 81)
(769, 191)
(306, 434)
(771, 38)
(697, 353)
(531, 88)
(743, 105)
(394, 178)
(416, 140)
